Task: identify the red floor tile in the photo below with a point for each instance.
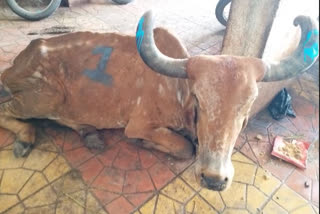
(296, 181)
(147, 158)
(160, 175)
(311, 170)
(247, 151)
(119, 206)
(138, 198)
(285, 122)
(107, 157)
(240, 142)
(127, 158)
(262, 151)
(78, 156)
(302, 123)
(137, 181)
(279, 168)
(72, 141)
(302, 107)
(278, 130)
(90, 169)
(110, 179)
(105, 197)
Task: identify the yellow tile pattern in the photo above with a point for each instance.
(166, 205)
(57, 168)
(244, 172)
(45, 177)
(288, 198)
(149, 206)
(199, 206)
(7, 201)
(235, 196)
(255, 199)
(273, 208)
(178, 190)
(189, 177)
(241, 158)
(36, 182)
(266, 182)
(13, 180)
(8, 161)
(213, 198)
(38, 160)
(18, 209)
(235, 211)
(303, 210)
(45, 196)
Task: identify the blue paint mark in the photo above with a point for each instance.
(139, 34)
(99, 74)
(312, 51)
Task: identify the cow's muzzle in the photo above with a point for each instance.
(214, 182)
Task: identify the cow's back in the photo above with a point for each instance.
(101, 76)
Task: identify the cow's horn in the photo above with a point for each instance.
(302, 58)
(151, 55)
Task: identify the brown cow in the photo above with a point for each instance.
(92, 81)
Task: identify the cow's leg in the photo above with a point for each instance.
(89, 135)
(92, 140)
(163, 140)
(25, 134)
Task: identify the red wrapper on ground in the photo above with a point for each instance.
(295, 152)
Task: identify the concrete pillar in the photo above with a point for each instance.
(247, 34)
(248, 27)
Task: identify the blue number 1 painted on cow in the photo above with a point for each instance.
(139, 34)
(312, 51)
(99, 74)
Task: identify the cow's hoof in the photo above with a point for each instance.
(92, 141)
(21, 149)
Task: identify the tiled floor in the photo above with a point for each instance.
(62, 176)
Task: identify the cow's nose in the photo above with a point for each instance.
(214, 182)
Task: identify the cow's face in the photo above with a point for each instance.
(224, 91)
(225, 88)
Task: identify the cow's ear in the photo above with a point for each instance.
(259, 68)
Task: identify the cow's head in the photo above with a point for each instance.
(224, 88)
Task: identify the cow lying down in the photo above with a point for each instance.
(148, 85)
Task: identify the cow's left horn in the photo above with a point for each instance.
(302, 58)
(151, 55)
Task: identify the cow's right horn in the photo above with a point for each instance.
(302, 58)
(151, 55)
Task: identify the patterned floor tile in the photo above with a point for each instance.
(244, 172)
(198, 205)
(255, 199)
(213, 198)
(45, 196)
(288, 199)
(62, 176)
(178, 190)
(7, 201)
(297, 182)
(266, 182)
(149, 206)
(35, 183)
(235, 196)
(273, 208)
(13, 180)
